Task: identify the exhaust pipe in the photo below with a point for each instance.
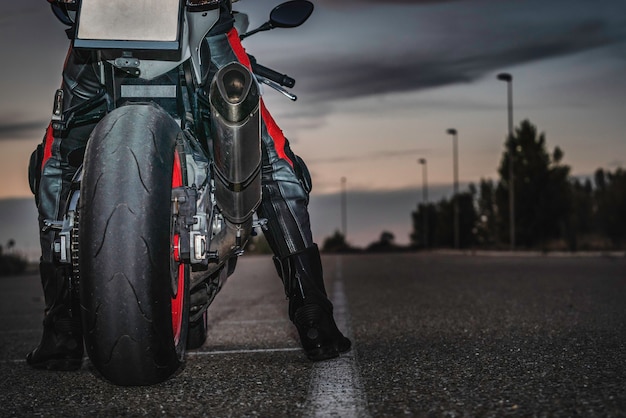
(236, 127)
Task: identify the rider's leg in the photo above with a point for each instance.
(286, 186)
(61, 346)
(297, 258)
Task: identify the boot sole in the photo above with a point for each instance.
(328, 352)
(322, 353)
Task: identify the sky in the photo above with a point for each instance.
(378, 85)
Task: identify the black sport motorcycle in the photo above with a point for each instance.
(164, 201)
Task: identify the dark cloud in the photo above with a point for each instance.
(21, 130)
(461, 62)
(343, 3)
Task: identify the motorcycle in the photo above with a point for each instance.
(164, 202)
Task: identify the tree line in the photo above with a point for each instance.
(553, 210)
(11, 263)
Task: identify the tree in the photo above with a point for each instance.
(468, 218)
(384, 243)
(610, 197)
(542, 199)
(11, 263)
(441, 225)
(487, 219)
(580, 222)
(423, 234)
(335, 243)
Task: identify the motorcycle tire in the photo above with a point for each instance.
(134, 293)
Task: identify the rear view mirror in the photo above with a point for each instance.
(291, 14)
(286, 15)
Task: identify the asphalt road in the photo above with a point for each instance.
(434, 335)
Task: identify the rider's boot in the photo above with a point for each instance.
(61, 346)
(309, 307)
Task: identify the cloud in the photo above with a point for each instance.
(616, 164)
(344, 3)
(21, 130)
(451, 44)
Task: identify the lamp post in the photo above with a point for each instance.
(508, 78)
(422, 161)
(344, 210)
(455, 199)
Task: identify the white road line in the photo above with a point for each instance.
(256, 321)
(335, 388)
(243, 351)
(13, 361)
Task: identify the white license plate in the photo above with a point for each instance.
(136, 21)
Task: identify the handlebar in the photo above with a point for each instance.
(282, 79)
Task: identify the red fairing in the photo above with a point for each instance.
(47, 150)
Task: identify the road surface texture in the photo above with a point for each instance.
(448, 335)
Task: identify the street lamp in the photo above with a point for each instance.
(344, 210)
(422, 161)
(455, 164)
(508, 78)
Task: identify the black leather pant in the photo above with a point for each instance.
(285, 178)
(61, 155)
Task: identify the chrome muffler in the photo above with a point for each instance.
(236, 129)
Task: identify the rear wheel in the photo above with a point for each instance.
(134, 287)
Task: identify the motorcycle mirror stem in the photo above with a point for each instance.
(290, 14)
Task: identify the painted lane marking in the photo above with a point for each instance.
(243, 351)
(335, 388)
